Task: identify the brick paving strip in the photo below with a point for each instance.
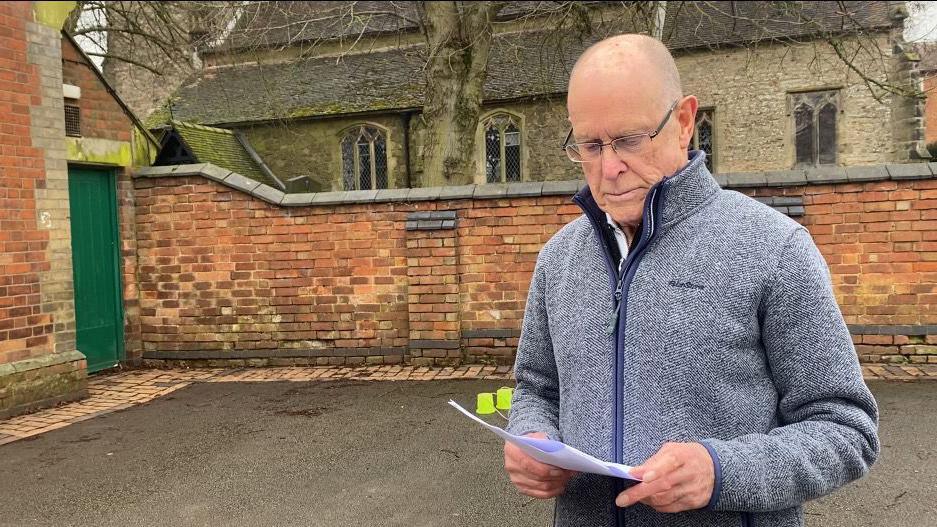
(109, 393)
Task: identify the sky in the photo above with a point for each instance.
(921, 26)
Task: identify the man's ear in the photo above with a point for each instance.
(686, 118)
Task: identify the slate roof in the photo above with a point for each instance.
(392, 79)
(222, 148)
(282, 23)
(689, 24)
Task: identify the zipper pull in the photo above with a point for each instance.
(613, 320)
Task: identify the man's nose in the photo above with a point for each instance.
(612, 165)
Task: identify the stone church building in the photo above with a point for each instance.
(328, 115)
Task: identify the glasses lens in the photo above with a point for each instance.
(630, 145)
(573, 153)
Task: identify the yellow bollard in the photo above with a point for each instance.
(486, 404)
(504, 398)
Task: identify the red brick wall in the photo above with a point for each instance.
(880, 241)
(101, 115)
(24, 330)
(221, 272)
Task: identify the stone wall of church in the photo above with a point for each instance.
(749, 91)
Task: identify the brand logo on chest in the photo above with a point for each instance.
(686, 285)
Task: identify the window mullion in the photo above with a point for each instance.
(816, 135)
(357, 185)
(373, 164)
(504, 158)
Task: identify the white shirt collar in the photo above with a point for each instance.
(620, 237)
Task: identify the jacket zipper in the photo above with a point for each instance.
(620, 282)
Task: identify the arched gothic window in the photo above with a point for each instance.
(502, 148)
(704, 135)
(364, 158)
(815, 128)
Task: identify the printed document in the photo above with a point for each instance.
(556, 453)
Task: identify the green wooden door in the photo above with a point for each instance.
(95, 268)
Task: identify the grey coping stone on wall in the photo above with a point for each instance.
(787, 200)
(280, 353)
(458, 192)
(299, 199)
(490, 333)
(782, 210)
(416, 216)
(866, 173)
(746, 179)
(411, 226)
(391, 194)
(237, 181)
(796, 210)
(872, 329)
(530, 188)
(561, 188)
(787, 178)
(448, 224)
(424, 194)
(268, 194)
(429, 225)
(331, 198)
(195, 169)
(495, 190)
(361, 196)
(164, 170)
(909, 171)
(439, 344)
(432, 215)
(933, 167)
(826, 174)
(722, 179)
(215, 172)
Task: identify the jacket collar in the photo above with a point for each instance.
(685, 192)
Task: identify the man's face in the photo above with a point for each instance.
(602, 108)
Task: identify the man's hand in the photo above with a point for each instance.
(679, 477)
(532, 477)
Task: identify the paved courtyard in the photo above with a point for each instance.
(354, 452)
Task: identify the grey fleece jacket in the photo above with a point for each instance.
(727, 334)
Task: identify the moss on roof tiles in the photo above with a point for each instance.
(222, 148)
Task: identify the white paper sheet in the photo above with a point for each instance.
(556, 453)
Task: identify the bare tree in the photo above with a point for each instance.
(458, 37)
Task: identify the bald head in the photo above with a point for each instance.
(628, 60)
(627, 87)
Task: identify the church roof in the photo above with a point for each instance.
(521, 65)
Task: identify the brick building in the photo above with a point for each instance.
(66, 147)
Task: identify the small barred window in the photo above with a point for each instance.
(72, 120)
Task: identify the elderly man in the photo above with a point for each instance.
(678, 327)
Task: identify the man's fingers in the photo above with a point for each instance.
(645, 490)
(516, 459)
(663, 462)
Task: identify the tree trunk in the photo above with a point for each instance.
(458, 39)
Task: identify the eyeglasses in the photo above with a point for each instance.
(629, 144)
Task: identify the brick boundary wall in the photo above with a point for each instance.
(231, 271)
